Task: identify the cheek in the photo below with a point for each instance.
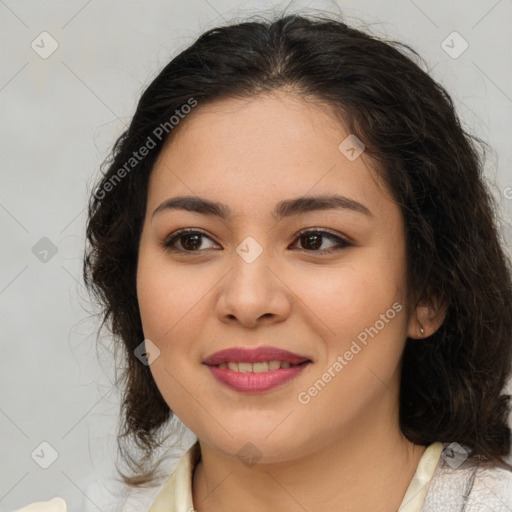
(360, 315)
(167, 296)
(170, 306)
(344, 300)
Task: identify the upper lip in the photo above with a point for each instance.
(254, 355)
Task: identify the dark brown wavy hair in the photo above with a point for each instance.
(452, 382)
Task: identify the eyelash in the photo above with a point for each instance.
(342, 242)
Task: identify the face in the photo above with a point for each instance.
(264, 267)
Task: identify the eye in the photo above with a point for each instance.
(189, 239)
(312, 240)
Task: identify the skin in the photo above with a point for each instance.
(345, 445)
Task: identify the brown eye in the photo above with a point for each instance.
(186, 240)
(313, 240)
(190, 242)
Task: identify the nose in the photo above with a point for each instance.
(253, 294)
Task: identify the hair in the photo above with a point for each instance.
(451, 382)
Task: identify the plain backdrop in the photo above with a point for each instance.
(60, 114)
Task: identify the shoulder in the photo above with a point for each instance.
(492, 489)
(54, 505)
(473, 487)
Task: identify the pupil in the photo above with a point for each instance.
(194, 244)
(317, 241)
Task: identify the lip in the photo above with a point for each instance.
(256, 382)
(249, 382)
(254, 355)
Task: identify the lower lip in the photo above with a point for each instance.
(256, 382)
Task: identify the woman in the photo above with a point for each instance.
(296, 247)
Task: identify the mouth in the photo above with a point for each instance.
(255, 370)
(259, 367)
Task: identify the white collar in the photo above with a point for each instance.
(176, 493)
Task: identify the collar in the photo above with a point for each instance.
(176, 493)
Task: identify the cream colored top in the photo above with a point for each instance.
(176, 494)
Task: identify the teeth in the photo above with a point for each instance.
(244, 367)
(260, 367)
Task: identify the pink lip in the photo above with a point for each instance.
(255, 382)
(254, 355)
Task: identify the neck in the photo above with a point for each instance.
(367, 467)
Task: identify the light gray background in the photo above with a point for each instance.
(59, 117)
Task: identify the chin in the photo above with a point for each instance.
(252, 446)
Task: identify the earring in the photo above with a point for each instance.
(422, 330)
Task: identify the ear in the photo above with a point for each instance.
(425, 320)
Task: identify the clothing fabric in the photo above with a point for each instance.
(54, 505)
(471, 487)
(176, 494)
(438, 485)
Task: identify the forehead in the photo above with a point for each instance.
(262, 149)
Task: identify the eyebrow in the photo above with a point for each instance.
(283, 209)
